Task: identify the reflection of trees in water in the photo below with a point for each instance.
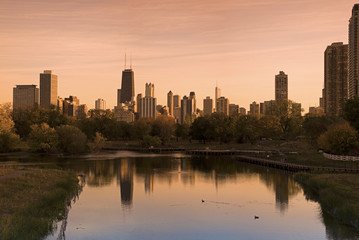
(334, 229)
(125, 172)
(68, 203)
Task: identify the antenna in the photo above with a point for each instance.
(125, 58)
(131, 61)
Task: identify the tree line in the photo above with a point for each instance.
(47, 130)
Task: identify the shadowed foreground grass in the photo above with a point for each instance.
(32, 199)
(337, 194)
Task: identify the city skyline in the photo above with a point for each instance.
(188, 50)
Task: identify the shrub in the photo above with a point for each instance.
(71, 139)
(150, 141)
(8, 141)
(43, 138)
(340, 139)
(98, 142)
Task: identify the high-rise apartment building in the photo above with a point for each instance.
(223, 105)
(118, 97)
(176, 101)
(242, 111)
(217, 94)
(233, 109)
(353, 86)
(100, 104)
(207, 106)
(150, 90)
(149, 102)
(127, 86)
(48, 89)
(335, 78)
(184, 109)
(192, 97)
(138, 102)
(281, 86)
(170, 102)
(254, 109)
(25, 96)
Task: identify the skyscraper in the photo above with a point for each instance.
(176, 101)
(223, 105)
(25, 96)
(193, 104)
(207, 106)
(127, 86)
(217, 94)
(281, 86)
(150, 90)
(48, 89)
(254, 109)
(149, 102)
(353, 86)
(100, 104)
(335, 78)
(170, 102)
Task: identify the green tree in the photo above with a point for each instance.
(8, 138)
(290, 119)
(340, 139)
(269, 126)
(245, 128)
(43, 138)
(98, 142)
(182, 131)
(314, 126)
(351, 112)
(71, 139)
(164, 128)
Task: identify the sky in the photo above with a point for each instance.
(179, 45)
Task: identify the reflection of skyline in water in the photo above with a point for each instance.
(157, 179)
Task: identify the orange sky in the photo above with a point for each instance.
(179, 45)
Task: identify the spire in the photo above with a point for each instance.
(125, 58)
(131, 61)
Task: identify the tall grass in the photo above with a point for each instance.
(337, 194)
(32, 202)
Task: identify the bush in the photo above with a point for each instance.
(341, 139)
(71, 139)
(43, 138)
(150, 141)
(8, 141)
(98, 142)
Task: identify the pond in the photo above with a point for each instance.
(129, 195)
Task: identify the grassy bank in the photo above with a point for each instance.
(31, 199)
(338, 195)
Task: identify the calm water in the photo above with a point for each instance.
(128, 195)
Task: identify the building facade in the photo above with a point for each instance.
(170, 103)
(353, 86)
(48, 89)
(335, 78)
(217, 94)
(223, 105)
(254, 109)
(207, 106)
(25, 96)
(100, 104)
(281, 86)
(127, 86)
(233, 109)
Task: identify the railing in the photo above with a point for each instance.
(340, 157)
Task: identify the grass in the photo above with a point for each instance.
(32, 199)
(338, 195)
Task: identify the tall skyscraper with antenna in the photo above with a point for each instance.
(128, 84)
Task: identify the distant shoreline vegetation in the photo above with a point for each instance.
(46, 130)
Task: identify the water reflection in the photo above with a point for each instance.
(169, 190)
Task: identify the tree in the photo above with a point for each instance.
(289, 114)
(43, 138)
(314, 126)
(8, 138)
(71, 139)
(245, 128)
(351, 112)
(269, 126)
(98, 142)
(182, 131)
(340, 139)
(163, 127)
